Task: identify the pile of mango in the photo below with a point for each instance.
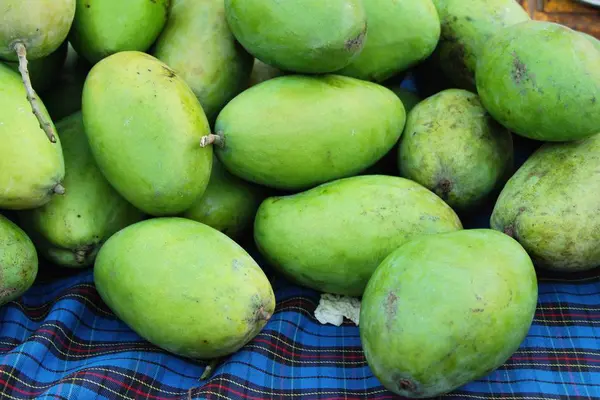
(146, 138)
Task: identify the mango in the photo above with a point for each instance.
(262, 72)
(479, 285)
(40, 25)
(144, 125)
(551, 72)
(102, 28)
(44, 72)
(388, 49)
(212, 296)
(18, 261)
(551, 204)
(70, 229)
(311, 36)
(453, 147)
(64, 98)
(31, 167)
(295, 132)
(332, 237)
(228, 205)
(198, 45)
(466, 26)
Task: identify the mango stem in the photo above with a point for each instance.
(31, 95)
(210, 139)
(59, 189)
(80, 256)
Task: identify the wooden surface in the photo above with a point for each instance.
(572, 13)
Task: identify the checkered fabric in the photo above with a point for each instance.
(60, 341)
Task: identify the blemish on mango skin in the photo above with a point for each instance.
(519, 71)
(357, 42)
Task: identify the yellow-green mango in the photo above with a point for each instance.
(332, 237)
(198, 45)
(466, 26)
(40, 25)
(311, 36)
(184, 286)
(443, 310)
(70, 229)
(144, 126)
(229, 204)
(44, 72)
(295, 131)
(18, 261)
(453, 147)
(31, 167)
(105, 27)
(400, 34)
(541, 80)
(551, 204)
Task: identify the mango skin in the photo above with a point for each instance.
(207, 295)
(30, 165)
(466, 26)
(389, 50)
(311, 36)
(345, 125)
(332, 237)
(551, 72)
(105, 27)
(86, 215)
(592, 39)
(550, 206)
(41, 25)
(228, 205)
(198, 45)
(18, 261)
(453, 147)
(479, 285)
(44, 72)
(149, 148)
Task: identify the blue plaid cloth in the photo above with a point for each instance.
(60, 341)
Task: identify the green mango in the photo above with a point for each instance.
(551, 204)
(444, 310)
(325, 127)
(64, 98)
(453, 147)
(228, 205)
(466, 26)
(198, 45)
(44, 72)
(332, 237)
(262, 72)
(70, 229)
(311, 36)
(389, 50)
(18, 261)
(31, 167)
(206, 296)
(541, 80)
(144, 126)
(106, 27)
(40, 25)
